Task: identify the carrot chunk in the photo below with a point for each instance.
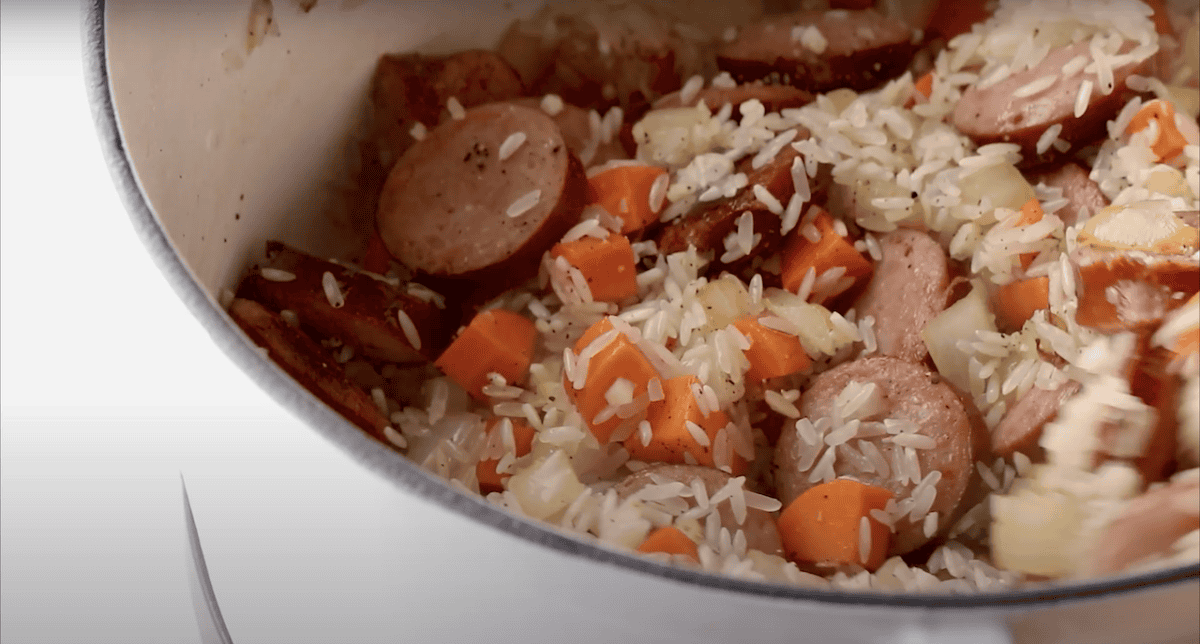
(672, 541)
(922, 90)
(772, 353)
(1017, 301)
(824, 525)
(490, 480)
(1170, 141)
(495, 341)
(607, 264)
(1095, 309)
(1031, 213)
(624, 191)
(620, 359)
(671, 437)
(832, 250)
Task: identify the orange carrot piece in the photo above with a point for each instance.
(672, 541)
(376, 258)
(624, 191)
(607, 264)
(1017, 301)
(619, 359)
(496, 340)
(489, 479)
(671, 438)
(772, 353)
(1170, 141)
(800, 254)
(1031, 213)
(1187, 343)
(1095, 310)
(922, 90)
(822, 526)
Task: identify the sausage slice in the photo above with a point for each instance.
(412, 88)
(994, 114)
(1083, 195)
(577, 132)
(909, 392)
(453, 208)
(369, 318)
(303, 359)
(1021, 427)
(855, 49)
(707, 225)
(759, 525)
(907, 290)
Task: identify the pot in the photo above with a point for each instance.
(217, 147)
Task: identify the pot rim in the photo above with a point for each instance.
(407, 476)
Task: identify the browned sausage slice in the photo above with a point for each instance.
(994, 113)
(575, 123)
(303, 359)
(412, 88)
(907, 290)
(1083, 195)
(759, 525)
(855, 49)
(368, 319)
(1021, 427)
(773, 97)
(1148, 526)
(909, 392)
(707, 225)
(453, 208)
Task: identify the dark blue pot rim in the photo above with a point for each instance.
(409, 477)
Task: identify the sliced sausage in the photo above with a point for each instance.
(773, 97)
(576, 126)
(369, 318)
(1147, 527)
(1021, 427)
(1083, 195)
(412, 88)
(611, 56)
(908, 289)
(453, 208)
(759, 525)
(909, 392)
(950, 18)
(304, 359)
(861, 49)
(994, 114)
(708, 223)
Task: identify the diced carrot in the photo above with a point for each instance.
(607, 264)
(624, 191)
(1170, 141)
(1017, 301)
(772, 353)
(495, 341)
(1187, 343)
(923, 87)
(671, 439)
(800, 254)
(618, 359)
(672, 541)
(489, 479)
(823, 525)
(1031, 213)
(1095, 310)
(376, 258)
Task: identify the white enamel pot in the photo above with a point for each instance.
(216, 151)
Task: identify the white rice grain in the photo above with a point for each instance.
(1083, 97)
(524, 203)
(418, 131)
(277, 275)
(864, 539)
(410, 329)
(697, 433)
(552, 104)
(511, 144)
(457, 112)
(333, 291)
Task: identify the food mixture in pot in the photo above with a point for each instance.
(894, 295)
